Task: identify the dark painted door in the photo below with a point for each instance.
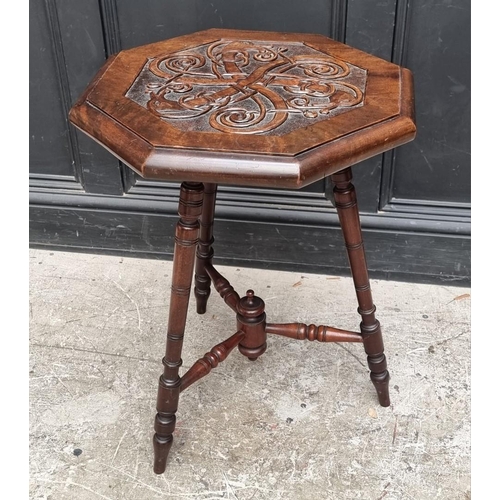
(415, 201)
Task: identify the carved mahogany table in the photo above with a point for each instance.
(247, 108)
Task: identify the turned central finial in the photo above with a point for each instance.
(250, 305)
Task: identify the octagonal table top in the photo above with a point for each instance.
(246, 108)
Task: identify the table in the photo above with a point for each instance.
(247, 108)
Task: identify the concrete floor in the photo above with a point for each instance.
(302, 422)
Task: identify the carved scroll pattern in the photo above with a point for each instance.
(248, 87)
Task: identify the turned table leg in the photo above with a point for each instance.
(186, 238)
(345, 202)
(204, 252)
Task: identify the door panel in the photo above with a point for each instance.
(50, 148)
(436, 166)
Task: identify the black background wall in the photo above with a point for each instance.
(415, 201)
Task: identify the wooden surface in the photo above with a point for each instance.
(247, 108)
(248, 87)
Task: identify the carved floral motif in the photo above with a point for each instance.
(248, 87)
